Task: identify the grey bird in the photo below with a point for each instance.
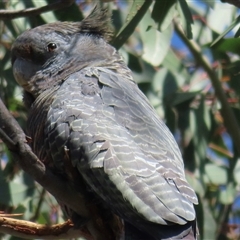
(92, 126)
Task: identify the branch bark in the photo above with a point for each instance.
(30, 230)
(235, 3)
(11, 14)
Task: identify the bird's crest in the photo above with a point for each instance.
(98, 22)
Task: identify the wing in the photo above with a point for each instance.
(122, 149)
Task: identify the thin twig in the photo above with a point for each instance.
(39, 205)
(11, 14)
(227, 113)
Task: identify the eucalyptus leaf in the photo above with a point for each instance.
(200, 131)
(210, 224)
(155, 44)
(195, 183)
(186, 17)
(227, 194)
(173, 63)
(228, 45)
(163, 13)
(217, 175)
(138, 10)
(236, 172)
(48, 16)
(181, 97)
(234, 24)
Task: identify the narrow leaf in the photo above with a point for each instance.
(187, 17)
(163, 13)
(155, 43)
(228, 45)
(234, 23)
(135, 15)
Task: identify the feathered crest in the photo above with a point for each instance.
(98, 22)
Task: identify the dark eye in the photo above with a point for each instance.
(51, 47)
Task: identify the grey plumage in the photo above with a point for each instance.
(92, 125)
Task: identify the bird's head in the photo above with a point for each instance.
(44, 56)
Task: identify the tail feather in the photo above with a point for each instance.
(151, 231)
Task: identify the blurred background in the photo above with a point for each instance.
(184, 55)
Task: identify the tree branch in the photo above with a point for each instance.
(227, 113)
(11, 14)
(30, 230)
(236, 3)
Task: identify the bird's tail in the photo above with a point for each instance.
(188, 231)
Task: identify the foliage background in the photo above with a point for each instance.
(178, 85)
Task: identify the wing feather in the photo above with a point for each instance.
(122, 149)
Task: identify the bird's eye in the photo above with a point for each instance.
(51, 47)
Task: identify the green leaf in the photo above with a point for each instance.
(186, 17)
(5, 195)
(147, 73)
(165, 83)
(195, 183)
(163, 13)
(36, 19)
(138, 10)
(234, 24)
(155, 43)
(234, 72)
(17, 26)
(236, 172)
(47, 16)
(72, 13)
(237, 34)
(228, 45)
(199, 126)
(216, 175)
(210, 225)
(22, 207)
(200, 216)
(15, 192)
(175, 65)
(134, 63)
(227, 194)
(181, 97)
